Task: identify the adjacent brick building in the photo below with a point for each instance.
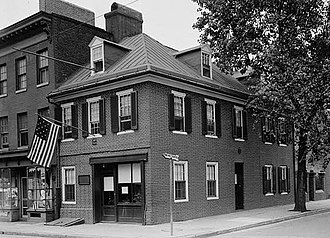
(143, 99)
(26, 78)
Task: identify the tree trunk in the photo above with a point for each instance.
(300, 201)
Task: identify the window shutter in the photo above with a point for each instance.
(273, 131)
(171, 112)
(204, 117)
(102, 114)
(74, 127)
(244, 125)
(58, 117)
(279, 175)
(84, 119)
(264, 179)
(187, 117)
(114, 113)
(234, 123)
(274, 180)
(263, 128)
(288, 178)
(134, 108)
(218, 119)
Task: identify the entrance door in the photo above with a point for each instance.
(239, 186)
(24, 197)
(108, 198)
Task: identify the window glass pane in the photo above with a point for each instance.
(178, 106)
(136, 173)
(124, 173)
(94, 108)
(43, 62)
(97, 53)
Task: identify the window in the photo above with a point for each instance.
(43, 73)
(3, 80)
(211, 118)
(268, 130)
(21, 79)
(22, 125)
(129, 183)
(69, 184)
(283, 131)
(179, 112)
(212, 180)
(283, 179)
(269, 182)
(93, 117)
(319, 181)
(181, 181)
(97, 58)
(206, 65)
(124, 111)
(239, 123)
(67, 120)
(4, 133)
(45, 112)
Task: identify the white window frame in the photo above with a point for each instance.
(4, 133)
(119, 95)
(185, 165)
(237, 108)
(216, 176)
(63, 106)
(43, 54)
(89, 101)
(210, 64)
(211, 102)
(269, 176)
(4, 79)
(97, 59)
(63, 185)
(284, 171)
(20, 75)
(181, 95)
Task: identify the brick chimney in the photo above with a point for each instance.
(67, 9)
(122, 22)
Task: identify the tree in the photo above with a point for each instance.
(286, 44)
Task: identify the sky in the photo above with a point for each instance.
(168, 21)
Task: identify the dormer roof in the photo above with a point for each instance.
(204, 47)
(98, 40)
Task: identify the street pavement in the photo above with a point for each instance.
(202, 227)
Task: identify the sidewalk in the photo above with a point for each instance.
(203, 227)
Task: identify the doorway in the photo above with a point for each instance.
(239, 186)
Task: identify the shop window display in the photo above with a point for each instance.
(8, 189)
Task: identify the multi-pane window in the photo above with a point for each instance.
(239, 123)
(206, 65)
(69, 184)
(319, 181)
(97, 58)
(3, 80)
(269, 183)
(44, 112)
(283, 179)
(268, 130)
(67, 121)
(94, 119)
(4, 133)
(43, 73)
(22, 126)
(125, 112)
(179, 113)
(21, 79)
(181, 181)
(212, 180)
(282, 131)
(210, 114)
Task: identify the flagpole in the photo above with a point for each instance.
(54, 120)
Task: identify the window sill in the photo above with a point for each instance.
(3, 95)
(23, 147)
(182, 200)
(124, 132)
(239, 139)
(67, 140)
(94, 136)
(284, 193)
(210, 136)
(283, 145)
(319, 191)
(212, 198)
(4, 149)
(72, 203)
(268, 143)
(21, 91)
(180, 132)
(269, 194)
(42, 84)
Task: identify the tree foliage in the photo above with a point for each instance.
(286, 43)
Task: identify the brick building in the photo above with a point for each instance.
(26, 78)
(144, 99)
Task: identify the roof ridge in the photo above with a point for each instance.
(145, 49)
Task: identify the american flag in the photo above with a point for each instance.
(44, 141)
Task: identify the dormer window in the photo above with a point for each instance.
(97, 59)
(206, 65)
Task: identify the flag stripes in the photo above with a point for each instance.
(44, 142)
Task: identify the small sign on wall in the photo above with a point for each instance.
(83, 179)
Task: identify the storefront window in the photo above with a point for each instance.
(8, 189)
(129, 183)
(39, 189)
